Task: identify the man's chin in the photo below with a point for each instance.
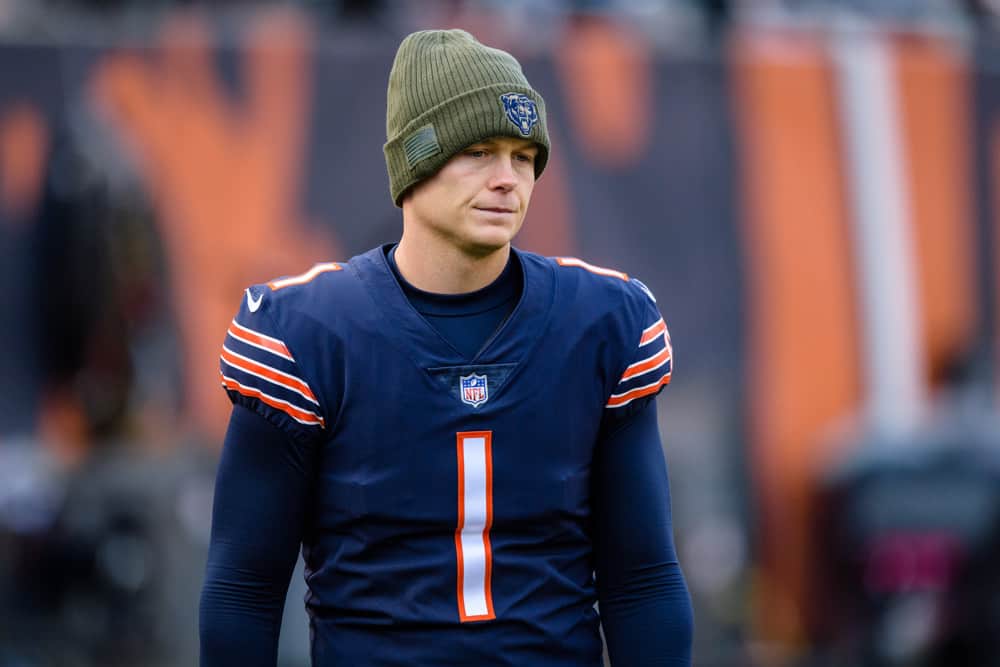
(487, 245)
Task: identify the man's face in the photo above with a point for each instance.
(478, 199)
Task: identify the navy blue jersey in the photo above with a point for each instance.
(451, 517)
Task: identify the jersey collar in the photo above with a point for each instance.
(511, 343)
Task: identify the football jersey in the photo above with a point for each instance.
(450, 523)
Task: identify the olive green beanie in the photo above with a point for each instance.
(448, 91)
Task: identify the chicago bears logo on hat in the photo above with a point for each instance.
(521, 111)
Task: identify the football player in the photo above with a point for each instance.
(460, 436)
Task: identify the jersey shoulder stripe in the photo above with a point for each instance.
(652, 331)
(259, 340)
(267, 373)
(304, 278)
(624, 398)
(306, 417)
(651, 364)
(259, 370)
(599, 270)
(647, 365)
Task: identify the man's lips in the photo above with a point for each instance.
(495, 209)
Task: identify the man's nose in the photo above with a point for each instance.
(504, 176)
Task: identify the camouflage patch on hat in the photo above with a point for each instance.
(421, 145)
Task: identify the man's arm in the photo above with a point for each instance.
(644, 602)
(261, 494)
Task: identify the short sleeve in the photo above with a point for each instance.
(259, 371)
(650, 359)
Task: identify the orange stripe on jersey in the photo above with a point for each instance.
(599, 270)
(256, 339)
(646, 365)
(301, 416)
(618, 400)
(303, 278)
(652, 331)
(273, 375)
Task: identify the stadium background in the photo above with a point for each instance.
(812, 189)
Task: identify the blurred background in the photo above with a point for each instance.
(810, 187)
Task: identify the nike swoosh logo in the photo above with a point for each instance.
(252, 303)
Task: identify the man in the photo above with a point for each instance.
(458, 434)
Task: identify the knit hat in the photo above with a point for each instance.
(448, 91)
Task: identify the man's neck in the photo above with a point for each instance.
(443, 268)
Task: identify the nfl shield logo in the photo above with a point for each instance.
(474, 389)
(521, 111)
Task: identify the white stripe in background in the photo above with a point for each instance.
(876, 173)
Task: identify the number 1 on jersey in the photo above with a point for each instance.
(475, 518)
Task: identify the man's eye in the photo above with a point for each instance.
(524, 157)
(476, 153)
